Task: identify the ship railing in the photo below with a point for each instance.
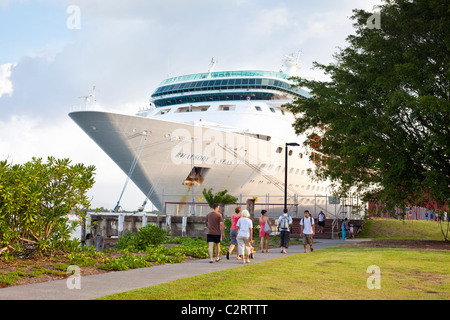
(86, 107)
(272, 203)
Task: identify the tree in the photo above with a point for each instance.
(221, 198)
(381, 123)
(35, 199)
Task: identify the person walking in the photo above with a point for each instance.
(321, 221)
(307, 230)
(214, 232)
(262, 233)
(244, 236)
(344, 228)
(284, 223)
(233, 229)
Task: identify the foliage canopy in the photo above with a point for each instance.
(35, 199)
(381, 123)
(221, 197)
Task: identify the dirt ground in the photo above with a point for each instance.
(29, 265)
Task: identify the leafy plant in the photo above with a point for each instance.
(222, 198)
(35, 199)
(146, 236)
(380, 126)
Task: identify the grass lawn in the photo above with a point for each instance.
(333, 273)
(397, 229)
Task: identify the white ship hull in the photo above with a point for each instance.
(165, 154)
(224, 130)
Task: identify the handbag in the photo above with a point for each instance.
(267, 228)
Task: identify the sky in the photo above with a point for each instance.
(54, 51)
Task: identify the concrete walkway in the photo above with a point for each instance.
(96, 286)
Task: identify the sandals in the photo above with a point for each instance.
(217, 260)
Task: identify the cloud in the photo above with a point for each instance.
(6, 86)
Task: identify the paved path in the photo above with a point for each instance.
(96, 286)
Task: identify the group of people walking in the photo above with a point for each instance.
(307, 230)
(241, 232)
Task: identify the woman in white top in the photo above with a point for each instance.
(244, 235)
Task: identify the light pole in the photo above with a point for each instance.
(293, 144)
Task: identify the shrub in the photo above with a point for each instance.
(35, 199)
(150, 235)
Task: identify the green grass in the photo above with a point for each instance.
(327, 274)
(333, 273)
(396, 229)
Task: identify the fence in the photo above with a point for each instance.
(195, 205)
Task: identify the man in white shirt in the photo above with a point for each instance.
(321, 221)
(307, 230)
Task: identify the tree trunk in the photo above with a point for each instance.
(251, 208)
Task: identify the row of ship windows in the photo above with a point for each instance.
(220, 108)
(222, 74)
(222, 85)
(215, 97)
(278, 168)
(308, 187)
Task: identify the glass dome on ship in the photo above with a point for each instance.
(218, 129)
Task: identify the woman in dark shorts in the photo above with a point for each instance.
(234, 219)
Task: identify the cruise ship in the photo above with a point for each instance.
(225, 130)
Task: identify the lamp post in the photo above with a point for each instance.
(293, 144)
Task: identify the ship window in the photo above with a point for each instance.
(279, 149)
(258, 108)
(226, 107)
(245, 81)
(272, 109)
(196, 176)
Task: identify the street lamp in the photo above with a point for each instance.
(293, 144)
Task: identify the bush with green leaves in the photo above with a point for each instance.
(146, 236)
(35, 199)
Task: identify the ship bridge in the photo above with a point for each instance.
(226, 86)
